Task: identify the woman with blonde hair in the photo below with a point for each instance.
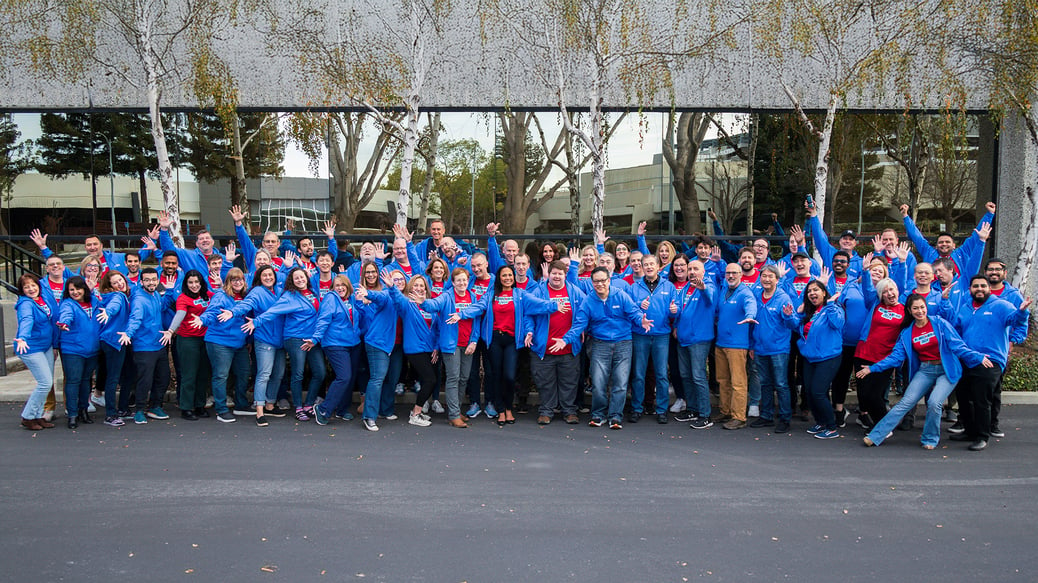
(225, 344)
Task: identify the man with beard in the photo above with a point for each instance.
(305, 250)
(556, 372)
(965, 258)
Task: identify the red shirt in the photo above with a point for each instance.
(559, 323)
(998, 291)
(406, 269)
(629, 278)
(480, 287)
(504, 313)
(840, 282)
(584, 274)
(522, 284)
(883, 333)
(752, 277)
(800, 284)
(316, 301)
(193, 307)
(925, 342)
(56, 288)
(436, 288)
(42, 304)
(324, 286)
(464, 326)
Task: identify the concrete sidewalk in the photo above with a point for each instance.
(17, 386)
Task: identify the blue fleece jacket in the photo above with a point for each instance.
(117, 306)
(524, 304)
(770, 334)
(194, 258)
(379, 321)
(441, 308)
(145, 313)
(259, 299)
(338, 323)
(608, 320)
(824, 341)
(36, 324)
(986, 329)
(227, 333)
(539, 324)
(696, 310)
(114, 261)
(299, 312)
(420, 335)
(734, 306)
(856, 310)
(826, 250)
(951, 346)
(966, 257)
(659, 305)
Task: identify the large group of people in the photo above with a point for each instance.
(289, 330)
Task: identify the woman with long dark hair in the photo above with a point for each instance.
(379, 340)
(34, 344)
(80, 343)
(195, 371)
(268, 340)
(225, 345)
(821, 328)
(115, 298)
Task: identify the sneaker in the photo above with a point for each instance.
(685, 416)
(49, 415)
(868, 442)
(284, 404)
(662, 419)
(122, 414)
(140, 418)
(841, 418)
(701, 423)
(491, 411)
(543, 420)
(114, 421)
(418, 420)
(978, 445)
(98, 400)
(91, 408)
(678, 406)
(437, 407)
(615, 424)
(957, 428)
(319, 417)
(424, 416)
(157, 413)
(261, 421)
(276, 412)
(782, 426)
(754, 411)
(473, 411)
(301, 415)
(347, 416)
(370, 425)
(827, 434)
(400, 388)
(209, 402)
(425, 407)
(226, 417)
(950, 416)
(816, 429)
(635, 416)
(734, 424)
(572, 419)
(865, 421)
(244, 412)
(595, 423)
(230, 403)
(583, 410)
(762, 422)
(996, 432)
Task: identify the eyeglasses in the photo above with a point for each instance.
(840, 261)
(599, 281)
(759, 246)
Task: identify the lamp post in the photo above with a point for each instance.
(111, 185)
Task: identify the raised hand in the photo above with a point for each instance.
(237, 215)
(380, 249)
(544, 270)
(386, 278)
(783, 270)
(38, 238)
(834, 298)
(798, 232)
(990, 207)
(153, 232)
(164, 221)
(601, 237)
(787, 309)
(715, 253)
(947, 289)
(401, 232)
(641, 228)
(361, 294)
(230, 252)
(809, 209)
(290, 224)
(493, 229)
(903, 209)
(149, 243)
(574, 255)
(645, 304)
(877, 245)
(774, 217)
(710, 213)
(290, 258)
(902, 251)
(329, 229)
(984, 231)
(867, 260)
(825, 275)
(416, 297)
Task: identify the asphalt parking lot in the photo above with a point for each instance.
(179, 500)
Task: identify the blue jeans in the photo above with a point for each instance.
(657, 347)
(78, 370)
(224, 359)
(297, 360)
(270, 367)
(345, 361)
(41, 365)
(118, 373)
(692, 362)
(772, 372)
(753, 382)
(610, 369)
(378, 365)
(929, 376)
(817, 378)
(388, 397)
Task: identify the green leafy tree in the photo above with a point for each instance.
(15, 160)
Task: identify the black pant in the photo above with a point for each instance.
(152, 377)
(843, 376)
(503, 359)
(479, 358)
(976, 392)
(872, 391)
(425, 371)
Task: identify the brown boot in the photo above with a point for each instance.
(458, 423)
(31, 425)
(44, 423)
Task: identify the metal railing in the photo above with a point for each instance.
(15, 261)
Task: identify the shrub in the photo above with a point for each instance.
(1022, 373)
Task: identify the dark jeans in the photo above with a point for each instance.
(976, 391)
(843, 376)
(479, 357)
(557, 377)
(152, 377)
(345, 361)
(78, 370)
(817, 378)
(503, 360)
(225, 360)
(195, 373)
(119, 365)
(388, 397)
(298, 359)
(425, 372)
(872, 391)
(677, 382)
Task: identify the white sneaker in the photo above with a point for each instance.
(417, 386)
(48, 415)
(400, 388)
(209, 402)
(425, 407)
(437, 407)
(754, 411)
(391, 417)
(678, 406)
(98, 400)
(419, 421)
(370, 425)
(91, 408)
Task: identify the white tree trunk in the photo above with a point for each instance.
(1025, 260)
(239, 171)
(822, 161)
(597, 151)
(407, 161)
(430, 168)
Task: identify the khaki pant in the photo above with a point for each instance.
(731, 376)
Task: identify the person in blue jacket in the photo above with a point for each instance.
(298, 305)
(933, 349)
(607, 316)
(225, 344)
(80, 342)
(848, 242)
(197, 258)
(93, 247)
(655, 296)
(694, 324)
(770, 344)
(736, 310)
(821, 331)
(338, 331)
(420, 334)
(150, 356)
(115, 299)
(380, 333)
(34, 344)
(966, 257)
(268, 339)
